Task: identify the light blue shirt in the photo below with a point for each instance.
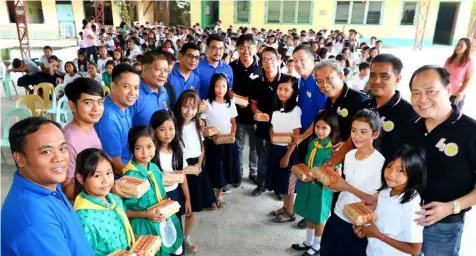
(179, 84)
(205, 72)
(310, 100)
(148, 103)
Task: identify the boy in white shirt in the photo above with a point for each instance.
(359, 81)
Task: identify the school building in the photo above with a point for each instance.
(393, 21)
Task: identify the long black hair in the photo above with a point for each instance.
(466, 55)
(186, 96)
(211, 88)
(413, 164)
(135, 133)
(292, 102)
(157, 119)
(333, 121)
(86, 163)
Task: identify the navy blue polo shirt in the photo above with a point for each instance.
(242, 85)
(112, 130)
(263, 94)
(395, 115)
(38, 221)
(345, 106)
(205, 72)
(310, 100)
(179, 84)
(450, 158)
(148, 103)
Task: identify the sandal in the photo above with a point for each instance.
(311, 252)
(278, 212)
(285, 217)
(300, 247)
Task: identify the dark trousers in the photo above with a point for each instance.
(339, 239)
(263, 147)
(460, 104)
(92, 51)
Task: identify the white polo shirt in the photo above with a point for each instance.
(364, 175)
(192, 143)
(220, 115)
(166, 166)
(286, 122)
(396, 221)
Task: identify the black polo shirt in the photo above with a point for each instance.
(395, 115)
(347, 104)
(263, 94)
(450, 158)
(242, 85)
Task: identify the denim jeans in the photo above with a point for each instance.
(241, 131)
(442, 239)
(460, 104)
(263, 147)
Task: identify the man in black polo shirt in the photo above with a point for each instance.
(449, 138)
(245, 70)
(262, 97)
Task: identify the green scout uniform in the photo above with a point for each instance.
(168, 230)
(314, 200)
(105, 224)
(107, 79)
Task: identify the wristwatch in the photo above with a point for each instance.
(456, 207)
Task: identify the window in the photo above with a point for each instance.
(408, 13)
(358, 12)
(242, 11)
(11, 11)
(289, 12)
(90, 10)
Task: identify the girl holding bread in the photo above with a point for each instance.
(314, 200)
(145, 219)
(395, 233)
(221, 161)
(285, 121)
(362, 170)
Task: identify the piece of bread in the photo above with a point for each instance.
(262, 117)
(301, 171)
(192, 170)
(170, 178)
(359, 214)
(325, 175)
(122, 253)
(224, 139)
(202, 107)
(240, 100)
(281, 138)
(167, 207)
(146, 245)
(211, 131)
(132, 187)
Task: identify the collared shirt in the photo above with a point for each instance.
(345, 106)
(310, 100)
(112, 130)
(242, 85)
(148, 103)
(205, 72)
(451, 156)
(38, 221)
(263, 94)
(395, 115)
(179, 84)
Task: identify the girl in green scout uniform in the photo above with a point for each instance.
(313, 201)
(144, 221)
(102, 213)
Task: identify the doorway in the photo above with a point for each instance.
(209, 13)
(445, 23)
(64, 11)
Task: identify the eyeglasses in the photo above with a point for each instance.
(327, 80)
(213, 48)
(192, 57)
(266, 60)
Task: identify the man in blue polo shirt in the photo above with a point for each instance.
(153, 95)
(213, 64)
(37, 218)
(182, 78)
(116, 121)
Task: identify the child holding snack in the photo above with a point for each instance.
(395, 233)
(221, 161)
(314, 200)
(201, 191)
(147, 221)
(102, 213)
(286, 119)
(362, 170)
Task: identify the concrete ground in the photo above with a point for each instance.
(243, 227)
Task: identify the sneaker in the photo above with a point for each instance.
(226, 190)
(258, 191)
(190, 246)
(237, 185)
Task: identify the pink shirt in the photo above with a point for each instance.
(458, 74)
(88, 41)
(78, 140)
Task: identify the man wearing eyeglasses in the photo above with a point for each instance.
(213, 64)
(245, 70)
(182, 78)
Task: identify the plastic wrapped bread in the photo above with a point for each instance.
(202, 107)
(174, 177)
(301, 171)
(224, 139)
(240, 100)
(262, 117)
(359, 214)
(167, 207)
(325, 175)
(122, 253)
(211, 131)
(146, 245)
(132, 187)
(192, 170)
(282, 138)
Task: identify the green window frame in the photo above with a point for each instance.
(289, 12)
(242, 11)
(358, 12)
